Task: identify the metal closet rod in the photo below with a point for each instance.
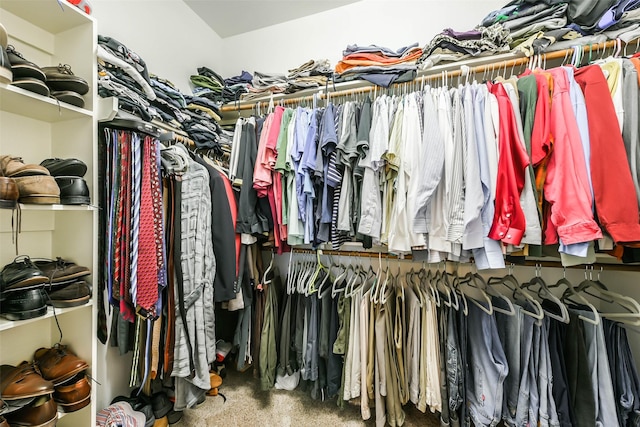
(506, 64)
(604, 266)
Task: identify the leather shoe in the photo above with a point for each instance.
(61, 78)
(22, 67)
(6, 75)
(21, 274)
(57, 364)
(23, 304)
(38, 189)
(12, 166)
(22, 381)
(71, 295)
(3, 422)
(69, 96)
(44, 415)
(65, 167)
(8, 193)
(60, 270)
(73, 190)
(73, 394)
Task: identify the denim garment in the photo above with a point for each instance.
(487, 368)
(548, 415)
(528, 380)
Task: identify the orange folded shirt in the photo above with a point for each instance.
(368, 59)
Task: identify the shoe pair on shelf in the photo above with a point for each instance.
(56, 81)
(52, 181)
(27, 286)
(32, 392)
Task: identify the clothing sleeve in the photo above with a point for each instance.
(473, 196)
(508, 220)
(432, 157)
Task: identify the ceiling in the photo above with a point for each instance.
(231, 17)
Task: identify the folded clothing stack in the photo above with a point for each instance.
(311, 74)
(452, 45)
(263, 84)
(379, 65)
(236, 86)
(208, 84)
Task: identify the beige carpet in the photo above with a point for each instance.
(247, 405)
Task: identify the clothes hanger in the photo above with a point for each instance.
(311, 286)
(441, 285)
(485, 305)
(570, 292)
(545, 294)
(455, 285)
(427, 280)
(268, 270)
(510, 282)
(632, 307)
(334, 289)
(479, 282)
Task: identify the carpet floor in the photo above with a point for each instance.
(247, 405)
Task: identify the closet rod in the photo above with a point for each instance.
(511, 63)
(605, 266)
(358, 254)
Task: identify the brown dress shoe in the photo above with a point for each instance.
(3, 422)
(15, 167)
(22, 381)
(38, 189)
(58, 363)
(8, 193)
(74, 394)
(44, 415)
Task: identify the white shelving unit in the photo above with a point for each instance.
(49, 32)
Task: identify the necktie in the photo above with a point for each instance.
(147, 260)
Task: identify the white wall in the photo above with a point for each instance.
(391, 24)
(167, 34)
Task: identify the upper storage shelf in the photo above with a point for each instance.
(53, 16)
(19, 101)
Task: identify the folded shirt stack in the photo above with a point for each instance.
(236, 86)
(379, 65)
(311, 74)
(208, 84)
(263, 84)
(452, 45)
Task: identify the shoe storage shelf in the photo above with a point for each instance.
(35, 128)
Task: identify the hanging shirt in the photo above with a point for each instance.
(490, 255)
(509, 220)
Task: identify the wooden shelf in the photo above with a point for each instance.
(9, 324)
(53, 16)
(25, 103)
(29, 207)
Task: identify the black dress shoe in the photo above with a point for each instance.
(21, 274)
(73, 190)
(61, 78)
(69, 96)
(22, 67)
(65, 167)
(71, 295)
(23, 304)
